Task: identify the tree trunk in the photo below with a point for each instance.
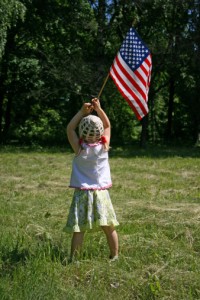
(7, 119)
(170, 109)
(9, 48)
(143, 138)
(1, 116)
(101, 27)
(2, 95)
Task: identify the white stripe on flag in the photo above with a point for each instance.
(135, 79)
(130, 85)
(127, 94)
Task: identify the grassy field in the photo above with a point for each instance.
(156, 195)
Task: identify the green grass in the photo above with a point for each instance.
(156, 195)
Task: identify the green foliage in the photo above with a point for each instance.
(11, 11)
(55, 54)
(44, 127)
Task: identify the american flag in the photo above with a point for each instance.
(131, 72)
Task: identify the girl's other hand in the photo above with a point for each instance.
(96, 103)
(87, 109)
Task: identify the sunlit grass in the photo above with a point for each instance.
(156, 195)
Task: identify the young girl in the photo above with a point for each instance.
(91, 204)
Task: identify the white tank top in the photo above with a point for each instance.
(90, 168)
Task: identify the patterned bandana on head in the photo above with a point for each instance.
(91, 128)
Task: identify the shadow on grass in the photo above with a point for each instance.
(20, 255)
(11, 258)
(155, 151)
(127, 151)
(35, 149)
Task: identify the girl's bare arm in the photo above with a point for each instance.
(71, 127)
(102, 115)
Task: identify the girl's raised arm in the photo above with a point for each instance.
(104, 118)
(73, 138)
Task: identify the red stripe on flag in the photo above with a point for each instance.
(126, 87)
(131, 79)
(131, 92)
(135, 97)
(126, 98)
(140, 77)
(148, 60)
(144, 69)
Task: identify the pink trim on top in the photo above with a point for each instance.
(101, 141)
(87, 189)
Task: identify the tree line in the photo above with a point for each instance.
(55, 55)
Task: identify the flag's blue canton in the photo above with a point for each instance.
(133, 50)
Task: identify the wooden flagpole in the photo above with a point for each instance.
(103, 85)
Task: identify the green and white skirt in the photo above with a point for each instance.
(89, 210)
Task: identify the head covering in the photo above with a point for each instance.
(91, 128)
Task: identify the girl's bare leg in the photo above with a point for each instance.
(76, 243)
(112, 239)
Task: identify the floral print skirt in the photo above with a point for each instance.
(89, 210)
